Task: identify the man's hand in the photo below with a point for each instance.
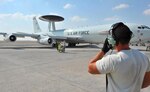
(106, 46)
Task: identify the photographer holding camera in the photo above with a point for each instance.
(126, 71)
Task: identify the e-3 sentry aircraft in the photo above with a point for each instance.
(93, 34)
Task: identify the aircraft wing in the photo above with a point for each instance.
(64, 37)
(22, 34)
(42, 36)
(34, 35)
(19, 34)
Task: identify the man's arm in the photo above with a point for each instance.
(92, 65)
(146, 81)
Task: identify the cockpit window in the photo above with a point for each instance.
(143, 27)
(139, 28)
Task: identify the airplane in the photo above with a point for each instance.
(91, 34)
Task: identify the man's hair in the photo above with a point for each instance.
(121, 33)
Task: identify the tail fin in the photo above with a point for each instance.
(36, 26)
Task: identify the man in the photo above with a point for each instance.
(61, 46)
(128, 69)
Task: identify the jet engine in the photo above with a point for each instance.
(10, 37)
(46, 41)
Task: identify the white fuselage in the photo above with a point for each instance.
(97, 34)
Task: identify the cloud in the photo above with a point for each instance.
(16, 16)
(19, 22)
(67, 6)
(121, 6)
(147, 12)
(114, 18)
(78, 19)
(16, 22)
(53, 13)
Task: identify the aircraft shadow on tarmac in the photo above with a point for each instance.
(26, 47)
(45, 47)
(84, 46)
(18, 47)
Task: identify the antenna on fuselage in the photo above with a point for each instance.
(51, 19)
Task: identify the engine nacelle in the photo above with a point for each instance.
(10, 38)
(46, 41)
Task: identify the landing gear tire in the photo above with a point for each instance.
(71, 44)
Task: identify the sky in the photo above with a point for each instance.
(16, 15)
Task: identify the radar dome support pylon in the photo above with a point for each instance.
(51, 19)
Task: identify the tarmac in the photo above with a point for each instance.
(31, 67)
